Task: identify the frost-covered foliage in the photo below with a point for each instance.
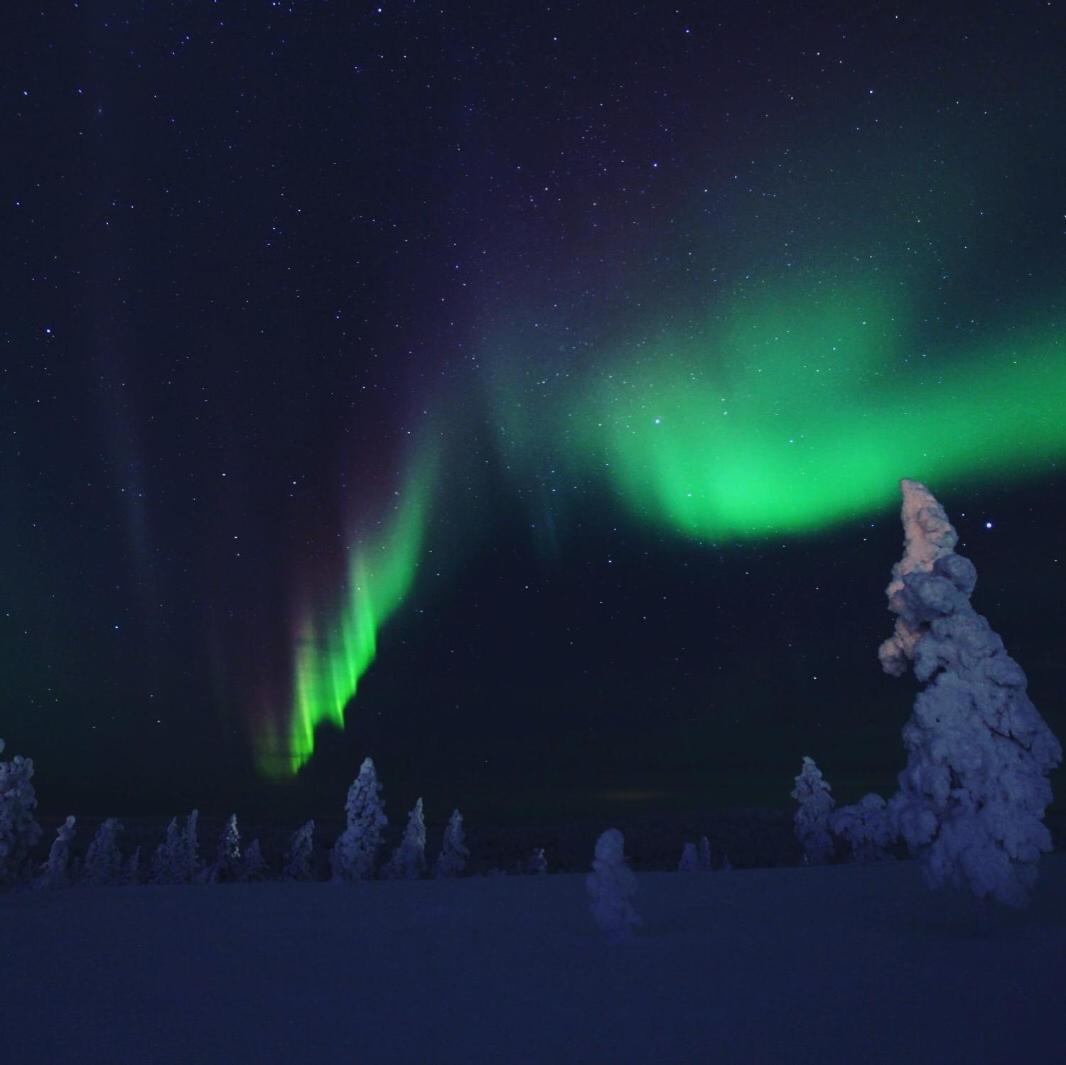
(19, 831)
(812, 815)
(972, 796)
(354, 855)
(611, 885)
(103, 861)
(253, 865)
(227, 865)
(301, 850)
(866, 827)
(690, 861)
(177, 858)
(408, 861)
(453, 852)
(57, 869)
(538, 862)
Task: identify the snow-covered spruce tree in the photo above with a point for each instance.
(408, 861)
(19, 831)
(56, 869)
(690, 860)
(973, 794)
(453, 852)
(703, 853)
(354, 855)
(228, 857)
(103, 861)
(812, 815)
(301, 851)
(253, 865)
(176, 859)
(866, 827)
(190, 850)
(538, 862)
(131, 873)
(611, 885)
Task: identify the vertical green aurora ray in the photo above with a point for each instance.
(333, 652)
(800, 413)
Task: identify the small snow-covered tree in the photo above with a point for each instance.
(812, 815)
(19, 831)
(408, 861)
(253, 865)
(611, 885)
(176, 859)
(866, 827)
(538, 862)
(703, 852)
(103, 861)
(690, 860)
(131, 873)
(354, 855)
(190, 851)
(57, 869)
(453, 852)
(228, 858)
(973, 794)
(301, 851)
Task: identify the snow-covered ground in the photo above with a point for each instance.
(845, 963)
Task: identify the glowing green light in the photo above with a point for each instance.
(331, 656)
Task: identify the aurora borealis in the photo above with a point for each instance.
(516, 395)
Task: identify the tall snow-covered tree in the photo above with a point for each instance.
(228, 857)
(611, 885)
(815, 800)
(866, 827)
(408, 861)
(56, 869)
(973, 794)
(690, 859)
(19, 831)
(176, 859)
(301, 851)
(103, 861)
(453, 852)
(354, 855)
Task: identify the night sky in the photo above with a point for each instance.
(525, 388)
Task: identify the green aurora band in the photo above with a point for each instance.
(331, 655)
(781, 418)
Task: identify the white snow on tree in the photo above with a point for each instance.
(19, 831)
(176, 859)
(866, 827)
(538, 862)
(703, 853)
(103, 861)
(131, 874)
(453, 852)
(812, 815)
(57, 868)
(301, 850)
(973, 794)
(611, 885)
(190, 851)
(253, 865)
(690, 861)
(227, 865)
(408, 861)
(354, 855)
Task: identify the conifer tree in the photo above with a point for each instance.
(408, 861)
(103, 861)
(253, 866)
(57, 869)
(453, 852)
(354, 855)
(301, 851)
(228, 858)
(611, 885)
(19, 831)
(812, 815)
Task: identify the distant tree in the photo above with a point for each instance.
(227, 865)
(131, 874)
(973, 793)
(301, 851)
(866, 827)
(704, 854)
(190, 852)
(176, 859)
(19, 831)
(57, 868)
(253, 867)
(812, 815)
(611, 885)
(453, 852)
(690, 860)
(103, 861)
(408, 861)
(538, 862)
(354, 855)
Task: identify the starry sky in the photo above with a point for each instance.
(516, 393)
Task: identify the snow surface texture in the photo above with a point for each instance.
(815, 800)
(972, 796)
(355, 853)
(834, 965)
(611, 885)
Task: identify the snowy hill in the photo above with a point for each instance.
(829, 964)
